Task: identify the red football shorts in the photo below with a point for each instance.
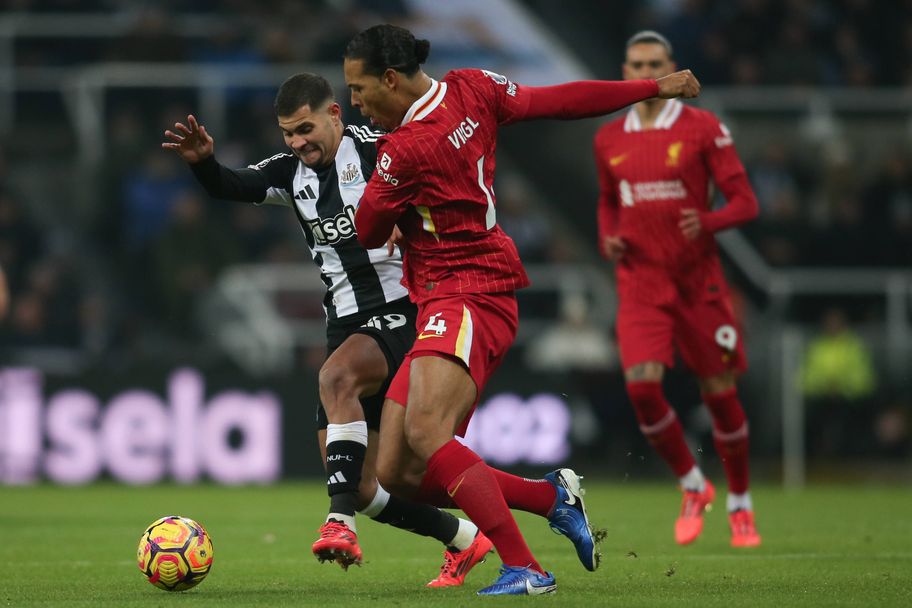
(475, 330)
(704, 331)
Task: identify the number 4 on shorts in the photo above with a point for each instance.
(436, 324)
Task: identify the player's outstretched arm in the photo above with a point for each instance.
(196, 147)
(191, 141)
(680, 84)
(582, 99)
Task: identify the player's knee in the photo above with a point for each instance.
(726, 410)
(714, 385)
(415, 433)
(425, 434)
(337, 384)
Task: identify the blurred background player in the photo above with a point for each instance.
(370, 322)
(434, 184)
(657, 224)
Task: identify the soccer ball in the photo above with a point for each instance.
(175, 553)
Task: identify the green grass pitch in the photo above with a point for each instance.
(826, 546)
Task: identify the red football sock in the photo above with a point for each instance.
(432, 493)
(530, 495)
(731, 436)
(660, 425)
(474, 489)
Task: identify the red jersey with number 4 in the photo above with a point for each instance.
(647, 178)
(438, 169)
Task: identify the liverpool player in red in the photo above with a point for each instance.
(657, 224)
(433, 181)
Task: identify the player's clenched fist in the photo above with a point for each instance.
(679, 84)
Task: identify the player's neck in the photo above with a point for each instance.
(416, 88)
(408, 92)
(648, 112)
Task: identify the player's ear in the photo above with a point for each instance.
(390, 78)
(335, 110)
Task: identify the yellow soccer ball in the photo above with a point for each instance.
(175, 553)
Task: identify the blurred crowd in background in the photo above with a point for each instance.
(120, 278)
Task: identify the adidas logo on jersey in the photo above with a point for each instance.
(306, 193)
(331, 230)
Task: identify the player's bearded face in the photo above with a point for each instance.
(647, 60)
(313, 135)
(370, 95)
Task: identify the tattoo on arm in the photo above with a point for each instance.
(637, 372)
(644, 371)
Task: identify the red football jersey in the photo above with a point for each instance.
(438, 169)
(647, 177)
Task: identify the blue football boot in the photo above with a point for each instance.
(516, 580)
(568, 517)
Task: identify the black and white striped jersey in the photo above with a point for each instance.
(324, 200)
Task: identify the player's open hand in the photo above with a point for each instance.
(614, 248)
(680, 84)
(394, 239)
(690, 224)
(191, 141)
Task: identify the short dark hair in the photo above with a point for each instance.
(300, 90)
(384, 47)
(649, 37)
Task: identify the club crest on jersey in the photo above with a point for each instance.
(674, 154)
(349, 175)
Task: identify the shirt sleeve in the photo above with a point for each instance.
(731, 179)
(583, 99)
(278, 171)
(386, 196)
(253, 184)
(607, 209)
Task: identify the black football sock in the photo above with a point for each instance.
(346, 445)
(415, 517)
